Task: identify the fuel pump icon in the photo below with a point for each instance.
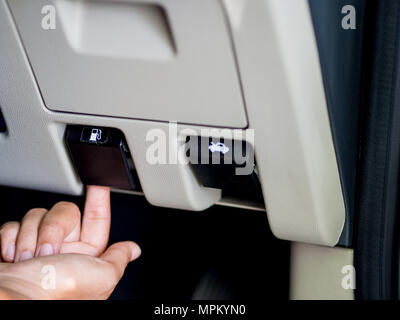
(95, 135)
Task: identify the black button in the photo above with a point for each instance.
(225, 164)
(101, 157)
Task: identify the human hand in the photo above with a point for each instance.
(75, 251)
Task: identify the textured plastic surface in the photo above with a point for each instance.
(33, 153)
(179, 67)
(279, 64)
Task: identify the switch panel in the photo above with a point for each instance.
(101, 157)
(224, 164)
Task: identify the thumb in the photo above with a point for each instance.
(120, 254)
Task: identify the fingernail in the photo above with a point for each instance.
(10, 253)
(136, 252)
(26, 255)
(45, 250)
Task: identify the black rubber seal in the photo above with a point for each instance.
(376, 241)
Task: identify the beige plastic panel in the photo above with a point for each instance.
(280, 69)
(317, 273)
(142, 59)
(33, 154)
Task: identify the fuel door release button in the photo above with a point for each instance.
(102, 157)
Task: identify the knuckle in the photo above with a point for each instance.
(96, 212)
(49, 229)
(68, 206)
(95, 215)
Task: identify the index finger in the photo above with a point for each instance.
(96, 217)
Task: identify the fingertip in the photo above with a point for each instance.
(136, 251)
(97, 188)
(8, 237)
(9, 255)
(97, 196)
